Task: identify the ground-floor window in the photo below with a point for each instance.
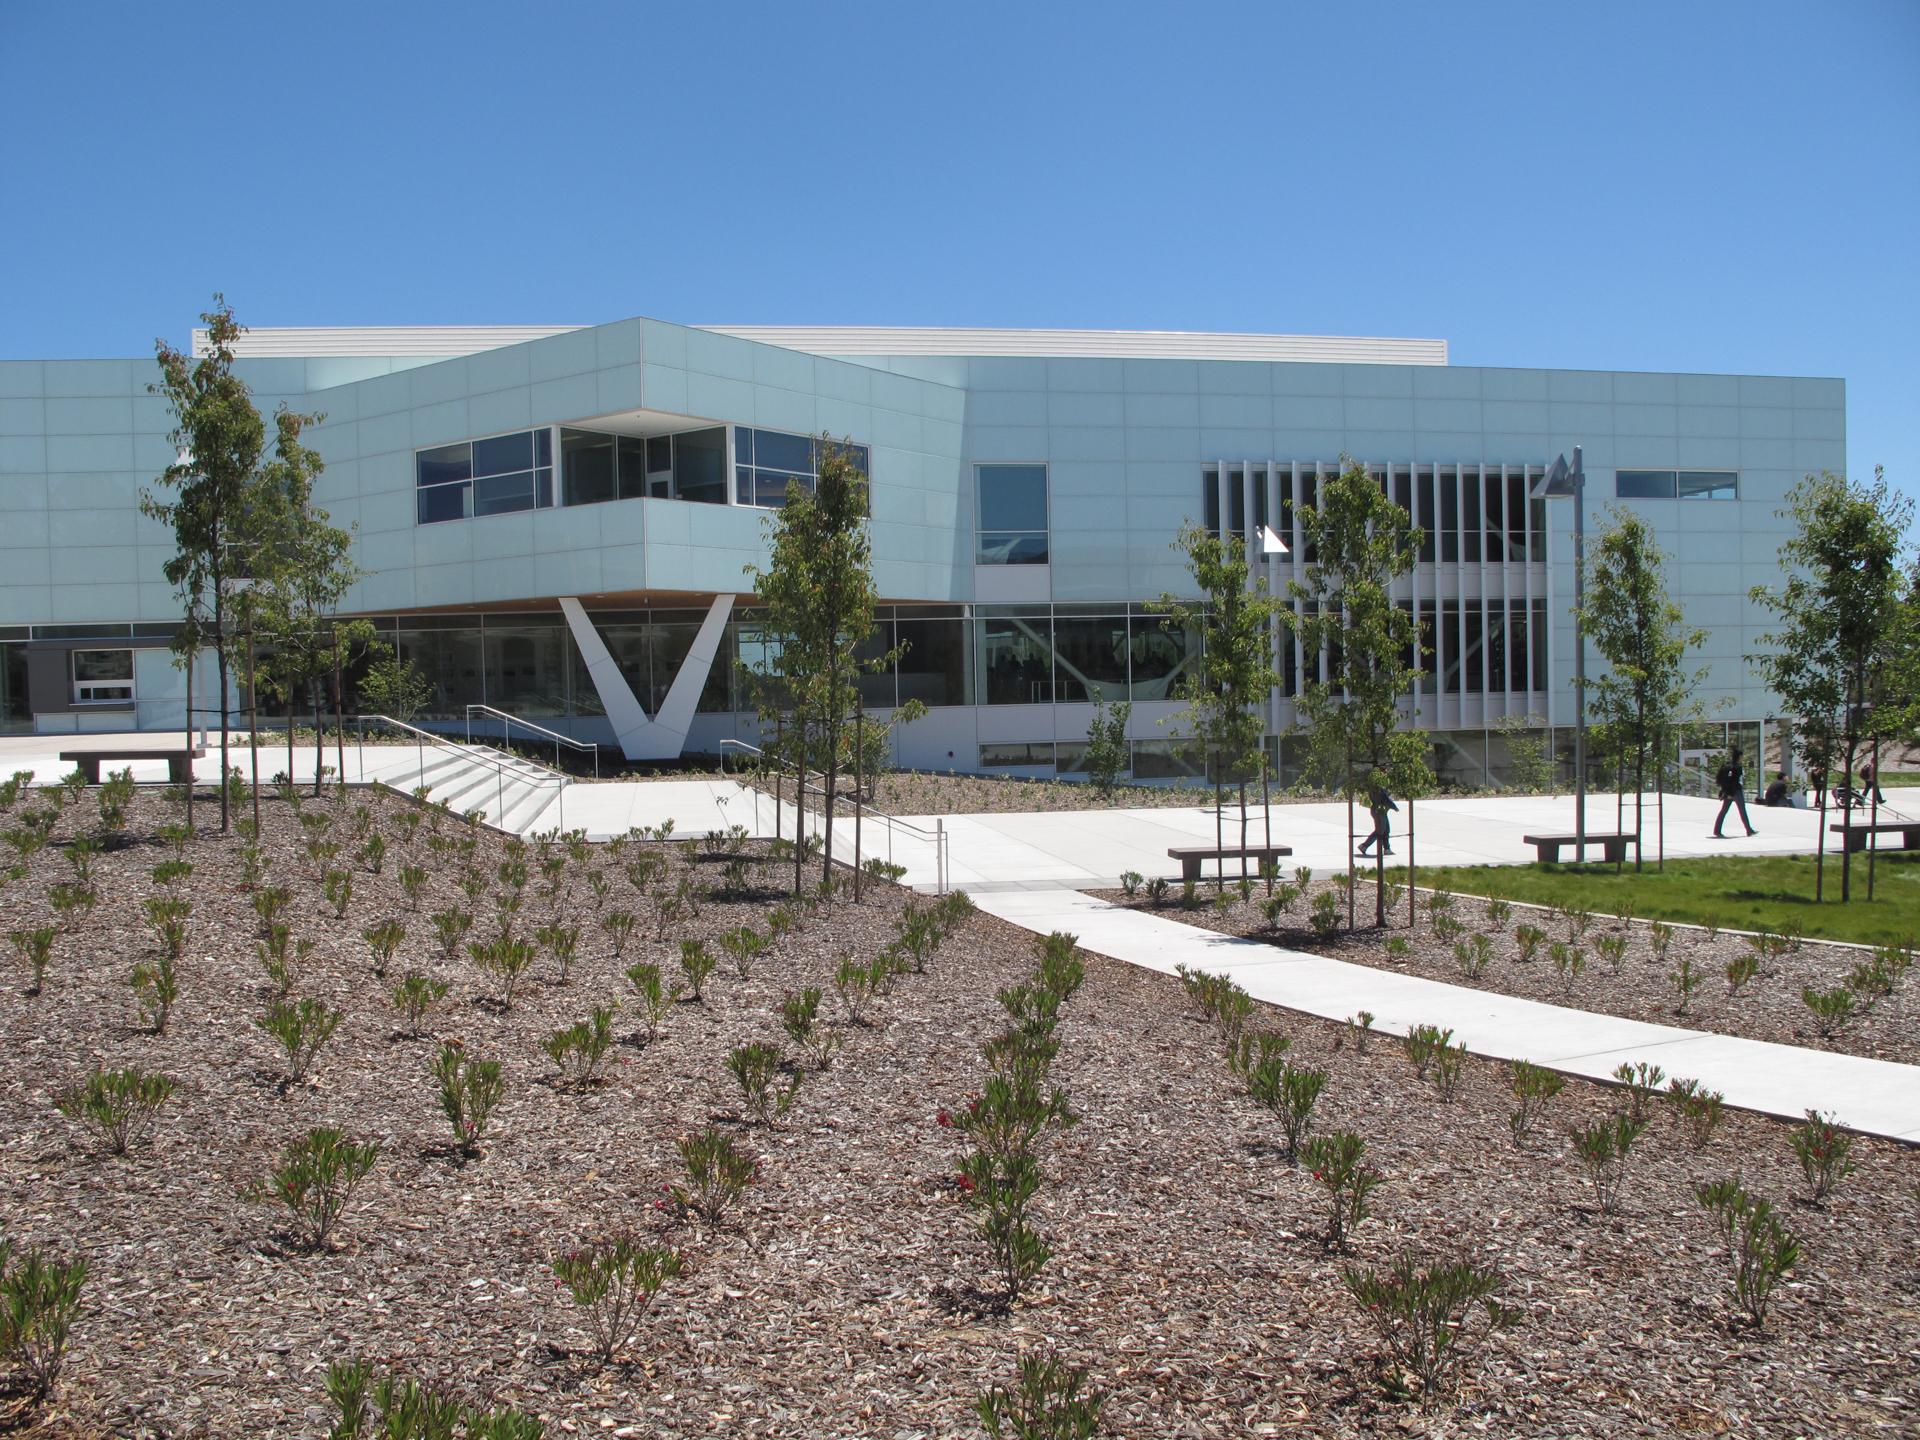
(102, 677)
(16, 716)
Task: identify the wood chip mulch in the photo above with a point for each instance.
(1188, 1275)
(1767, 1007)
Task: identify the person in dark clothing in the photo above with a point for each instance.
(1732, 781)
(1777, 792)
(1379, 805)
(1870, 785)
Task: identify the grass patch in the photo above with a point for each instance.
(1738, 892)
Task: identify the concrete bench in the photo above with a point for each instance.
(1854, 833)
(1612, 847)
(1191, 857)
(179, 762)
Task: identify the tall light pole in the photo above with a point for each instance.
(1562, 480)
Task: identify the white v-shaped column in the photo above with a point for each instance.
(663, 736)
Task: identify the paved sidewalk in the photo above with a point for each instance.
(1877, 1097)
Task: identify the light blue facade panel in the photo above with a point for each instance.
(24, 416)
(1066, 375)
(1702, 420)
(97, 377)
(1446, 382)
(569, 397)
(716, 397)
(1160, 377)
(1707, 389)
(22, 379)
(1377, 382)
(722, 355)
(441, 424)
(788, 410)
(1453, 415)
(663, 387)
(1765, 424)
(438, 383)
(576, 352)
(1152, 444)
(617, 389)
(1646, 419)
(663, 344)
(89, 452)
(499, 411)
(1159, 410)
(617, 344)
(509, 367)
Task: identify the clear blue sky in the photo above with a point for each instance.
(1687, 186)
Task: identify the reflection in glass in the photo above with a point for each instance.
(1015, 666)
(1090, 658)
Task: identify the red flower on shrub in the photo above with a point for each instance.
(944, 1120)
(964, 1182)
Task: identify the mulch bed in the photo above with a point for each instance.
(917, 793)
(1187, 1273)
(1768, 1007)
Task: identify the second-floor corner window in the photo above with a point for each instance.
(1680, 484)
(767, 461)
(1011, 526)
(494, 476)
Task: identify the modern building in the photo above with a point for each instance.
(557, 522)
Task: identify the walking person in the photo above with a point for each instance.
(1732, 781)
(1870, 785)
(1379, 805)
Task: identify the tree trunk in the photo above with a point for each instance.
(220, 666)
(1873, 812)
(1219, 828)
(340, 723)
(799, 799)
(1243, 830)
(1270, 864)
(319, 737)
(193, 659)
(1410, 873)
(1820, 849)
(291, 716)
(1639, 808)
(832, 784)
(1349, 864)
(859, 783)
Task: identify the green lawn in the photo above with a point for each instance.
(1736, 892)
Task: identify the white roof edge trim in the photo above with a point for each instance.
(300, 342)
(1106, 344)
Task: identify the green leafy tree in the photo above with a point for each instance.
(1353, 721)
(1227, 694)
(396, 687)
(1838, 615)
(1645, 695)
(1107, 757)
(817, 602)
(205, 497)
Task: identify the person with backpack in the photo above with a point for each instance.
(1732, 780)
(1379, 805)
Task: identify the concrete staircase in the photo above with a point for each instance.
(515, 794)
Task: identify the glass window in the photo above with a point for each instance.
(586, 468)
(442, 502)
(1428, 518)
(1017, 754)
(443, 465)
(673, 636)
(1016, 666)
(1449, 515)
(1209, 500)
(1539, 679)
(502, 494)
(876, 687)
(1709, 485)
(450, 660)
(527, 668)
(15, 715)
(1496, 523)
(774, 450)
(632, 467)
(503, 454)
(1089, 658)
(102, 676)
(1516, 517)
(659, 454)
(1165, 759)
(1012, 526)
(700, 465)
(933, 661)
(1470, 516)
(1160, 656)
(1643, 484)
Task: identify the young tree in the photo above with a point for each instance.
(1837, 612)
(817, 603)
(1107, 757)
(396, 687)
(303, 568)
(1352, 720)
(1227, 693)
(1646, 691)
(219, 437)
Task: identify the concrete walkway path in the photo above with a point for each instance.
(1876, 1097)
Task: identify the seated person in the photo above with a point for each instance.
(1777, 795)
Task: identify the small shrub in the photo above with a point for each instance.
(1642, 1083)
(1324, 915)
(337, 885)
(1397, 948)
(1130, 883)
(169, 872)
(758, 1069)
(1446, 929)
(1613, 950)
(1741, 971)
(167, 917)
(1291, 1095)
(1529, 939)
(1423, 1043)
(470, 1090)
(1569, 961)
(613, 1285)
(1047, 1402)
(120, 1108)
(745, 945)
(450, 927)
(1760, 1250)
(414, 996)
(696, 963)
(1189, 895)
(1687, 978)
(1498, 913)
(505, 962)
(1473, 955)
(155, 989)
(282, 959)
(383, 940)
(1660, 938)
(1425, 1315)
(1877, 977)
(800, 1018)
(857, 982)
(619, 926)
(373, 852)
(1833, 1010)
(656, 997)
(1825, 1152)
(39, 1301)
(1449, 1066)
(73, 903)
(581, 1049)
(1697, 1109)
(1603, 1149)
(1533, 1086)
(1336, 1161)
(718, 1174)
(562, 942)
(1157, 891)
(315, 1179)
(301, 1027)
(1360, 1026)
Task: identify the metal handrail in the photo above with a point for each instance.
(497, 759)
(506, 734)
(937, 836)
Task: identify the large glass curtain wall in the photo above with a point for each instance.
(1032, 655)
(15, 717)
